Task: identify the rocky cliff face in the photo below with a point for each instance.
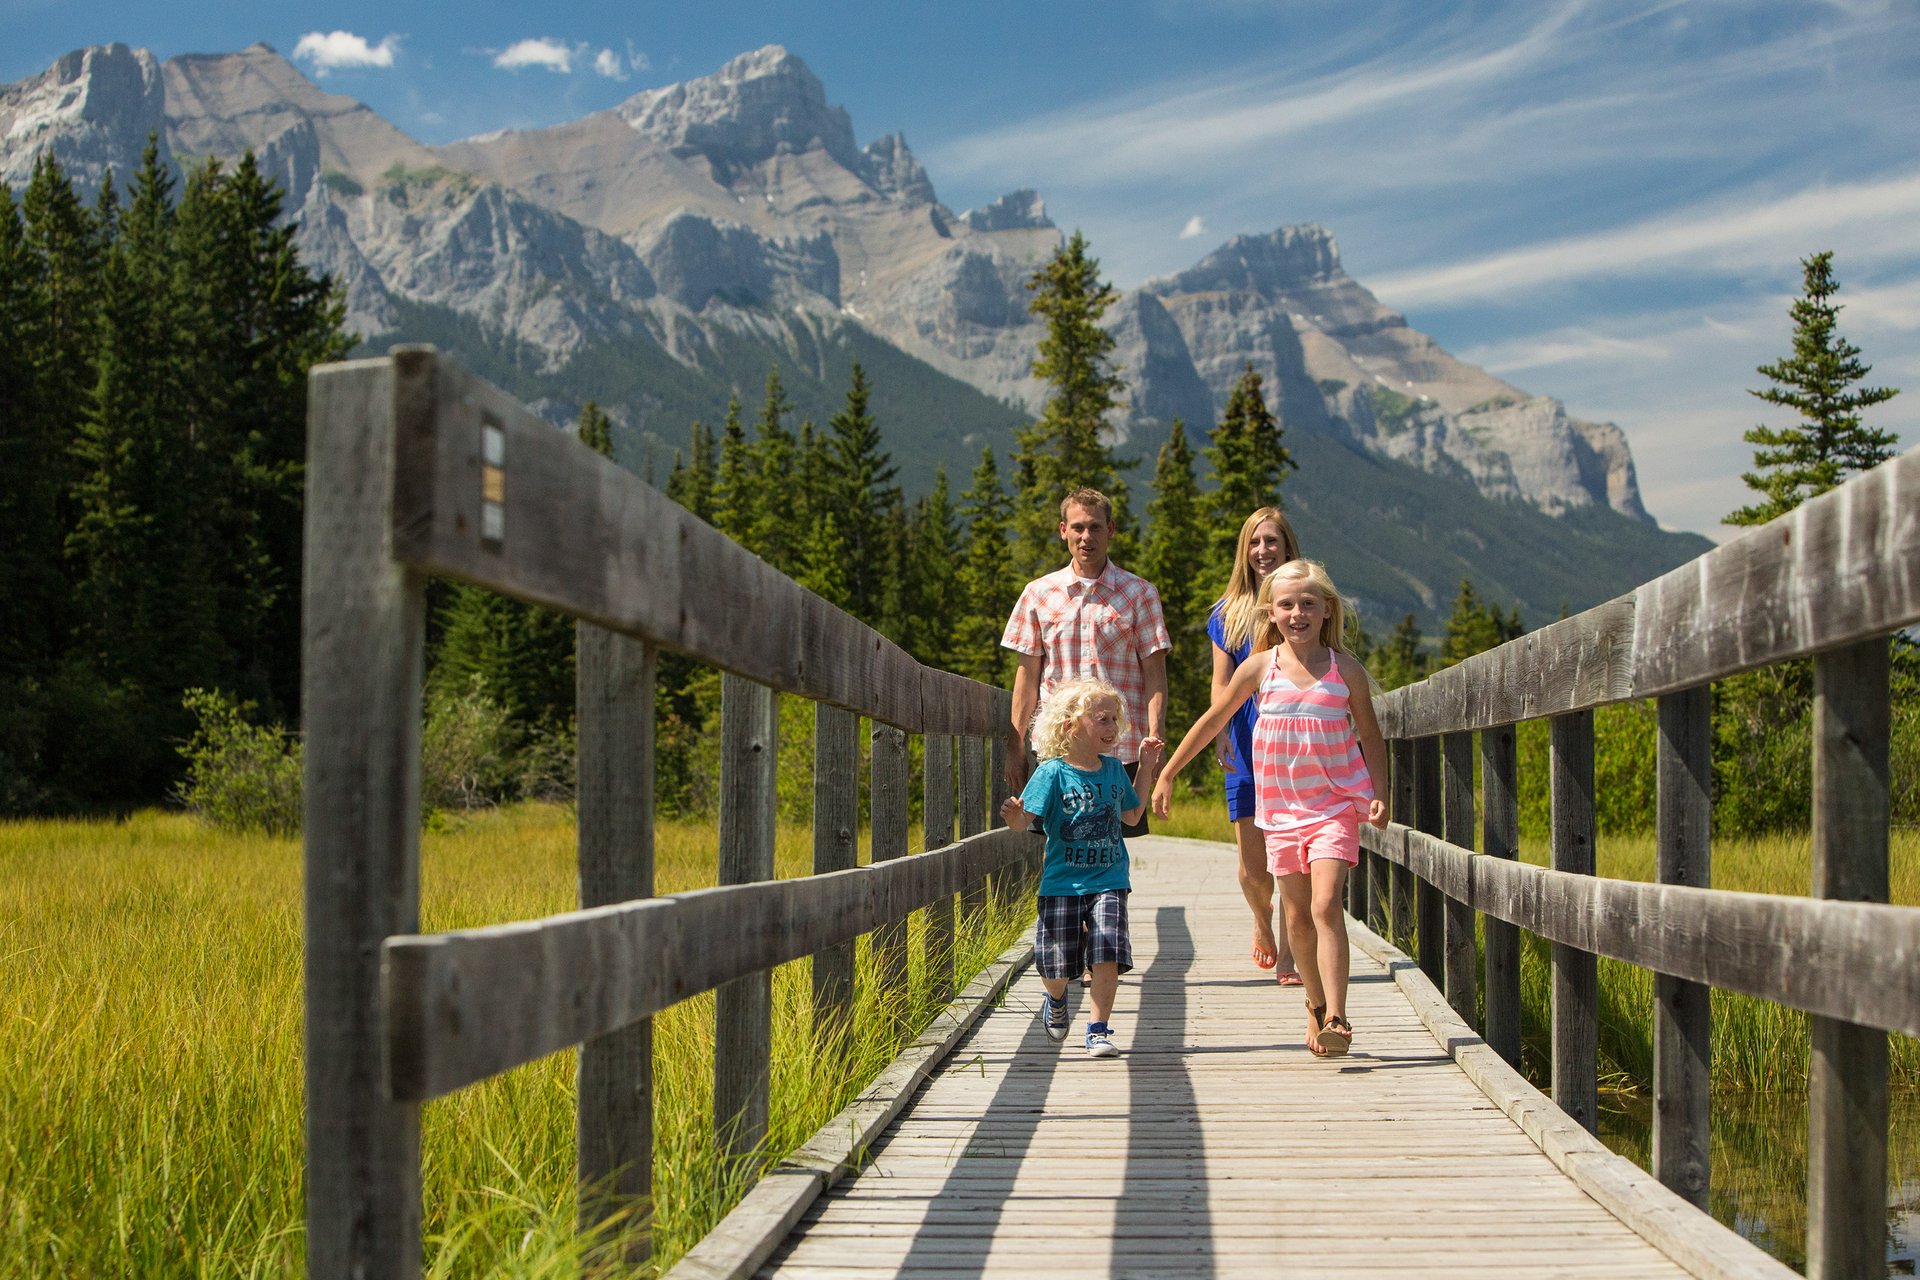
(703, 206)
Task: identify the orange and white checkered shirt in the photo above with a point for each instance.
(1098, 631)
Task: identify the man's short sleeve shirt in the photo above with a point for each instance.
(1103, 630)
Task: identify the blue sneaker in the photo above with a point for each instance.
(1098, 1043)
(1053, 1016)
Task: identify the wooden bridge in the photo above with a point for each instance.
(1216, 1145)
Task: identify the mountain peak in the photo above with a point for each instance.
(1283, 257)
(758, 105)
(93, 108)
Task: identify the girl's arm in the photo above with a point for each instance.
(1366, 727)
(1223, 670)
(1245, 682)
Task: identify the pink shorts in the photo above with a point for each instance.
(1289, 851)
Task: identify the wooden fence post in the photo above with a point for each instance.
(613, 696)
(1576, 990)
(937, 813)
(1430, 902)
(836, 847)
(1400, 908)
(889, 800)
(743, 1008)
(1682, 1012)
(976, 784)
(1847, 1076)
(1500, 838)
(360, 695)
(1461, 956)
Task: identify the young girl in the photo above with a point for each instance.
(1081, 797)
(1316, 751)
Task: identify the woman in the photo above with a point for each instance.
(1265, 543)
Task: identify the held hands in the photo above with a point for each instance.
(1377, 814)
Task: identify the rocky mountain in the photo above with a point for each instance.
(705, 230)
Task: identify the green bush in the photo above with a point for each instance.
(467, 750)
(240, 776)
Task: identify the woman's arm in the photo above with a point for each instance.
(1245, 682)
(1366, 727)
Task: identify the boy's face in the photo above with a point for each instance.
(1099, 726)
(1086, 534)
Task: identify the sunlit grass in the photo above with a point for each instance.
(150, 1054)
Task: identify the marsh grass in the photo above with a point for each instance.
(150, 1054)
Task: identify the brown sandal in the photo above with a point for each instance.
(1315, 1025)
(1335, 1036)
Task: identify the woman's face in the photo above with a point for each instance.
(1266, 549)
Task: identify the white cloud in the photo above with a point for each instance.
(333, 50)
(1196, 226)
(608, 64)
(544, 52)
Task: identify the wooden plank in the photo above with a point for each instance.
(937, 814)
(1847, 1107)
(1400, 910)
(836, 847)
(1840, 568)
(1500, 810)
(955, 705)
(613, 697)
(585, 536)
(1429, 902)
(743, 1007)
(1576, 974)
(887, 792)
(1461, 958)
(1683, 1015)
(1571, 665)
(976, 785)
(361, 636)
(468, 1004)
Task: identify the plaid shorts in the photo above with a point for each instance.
(1078, 931)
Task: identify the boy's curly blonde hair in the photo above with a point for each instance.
(1052, 728)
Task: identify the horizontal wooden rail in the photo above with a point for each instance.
(489, 492)
(1842, 567)
(467, 1004)
(1855, 961)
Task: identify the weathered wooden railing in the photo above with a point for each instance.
(417, 467)
(1829, 581)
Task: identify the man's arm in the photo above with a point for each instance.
(1026, 697)
(1153, 668)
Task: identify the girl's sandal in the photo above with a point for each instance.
(1314, 1027)
(1335, 1037)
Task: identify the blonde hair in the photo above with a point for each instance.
(1239, 605)
(1066, 702)
(1333, 627)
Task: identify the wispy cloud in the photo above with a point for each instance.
(1195, 228)
(543, 52)
(337, 50)
(609, 64)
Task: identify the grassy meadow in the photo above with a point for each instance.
(150, 1054)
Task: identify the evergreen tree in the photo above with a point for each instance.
(988, 584)
(693, 485)
(1249, 464)
(1397, 660)
(1473, 627)
(1174, 558)
(31, 581)
(934, 551)
(1065, 449)
(735, 509)
(596, 429)
(520, 656)
(772, 531)
(865, 493)
(1817, 381)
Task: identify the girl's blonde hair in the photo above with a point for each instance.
(1066, 702)
(1239, 606)
(1313, 574)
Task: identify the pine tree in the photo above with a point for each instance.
(735, 509)
(1473, 626)
(596, 429)
(987, 581)
(1065, 449)
(773, 535)
(31, 497)
(1174, 558)
(1249, 464)
(1799, 462)
(1397, 660)
(934, 551)
(866, 492)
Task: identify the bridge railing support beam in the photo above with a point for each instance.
(836, 847)
(1400, 890)
(743, 1008)
(1683, 1015)
(1461, 956)
(889, 798)
(1500, 838)
(1847, 1076)
(1427, 817)
(937, 810)
(1576, 975)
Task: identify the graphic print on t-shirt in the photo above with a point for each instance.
(1091, 819)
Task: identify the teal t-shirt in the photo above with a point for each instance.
(1080, 813)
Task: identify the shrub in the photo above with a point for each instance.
(467, 750)
(240, 776)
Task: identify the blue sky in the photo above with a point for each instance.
(1604, 202)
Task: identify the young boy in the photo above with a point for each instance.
(1082, 797)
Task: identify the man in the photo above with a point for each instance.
(1090, 620)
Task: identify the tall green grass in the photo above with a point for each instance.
(150, 1054)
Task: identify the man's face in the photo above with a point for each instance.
(1086, 534)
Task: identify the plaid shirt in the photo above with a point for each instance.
(1101, 631)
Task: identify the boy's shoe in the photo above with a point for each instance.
(1053, 1016)
(1099, 1045)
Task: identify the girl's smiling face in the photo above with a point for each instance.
(1098, 728)
(1299, 612)
(1266, 549)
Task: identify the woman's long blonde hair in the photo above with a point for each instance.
(1066, 702)
(1333, 627)
(1239, 607)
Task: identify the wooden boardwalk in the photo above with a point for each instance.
(1215, 1146)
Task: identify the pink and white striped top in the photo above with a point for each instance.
(1307, 765)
